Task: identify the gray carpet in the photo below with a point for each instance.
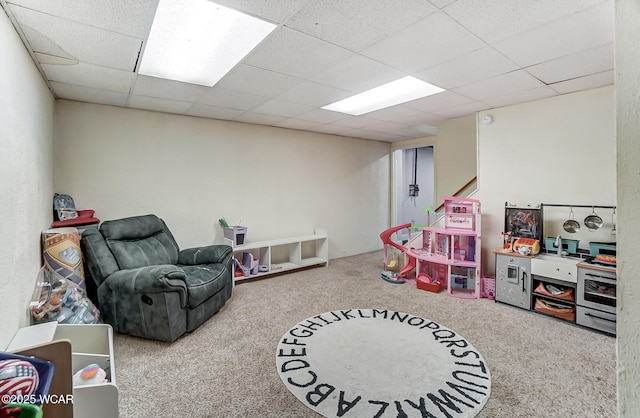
(540, 367)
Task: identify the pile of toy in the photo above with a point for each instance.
(249, 265)
(59, 299)
(60, 293)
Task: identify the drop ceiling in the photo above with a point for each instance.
(485, 53)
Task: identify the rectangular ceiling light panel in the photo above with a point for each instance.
(390, 94)
(198, 41)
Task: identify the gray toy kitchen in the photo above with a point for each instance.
(559, 260)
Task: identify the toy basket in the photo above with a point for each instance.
(44, 369)
(425, 282)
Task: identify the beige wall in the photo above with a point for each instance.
(628, 157)
(455, 154)
(192, 171)
(26, 109)
(26, 132)
(559, 150)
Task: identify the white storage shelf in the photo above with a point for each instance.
(285, 254)
(89, 344)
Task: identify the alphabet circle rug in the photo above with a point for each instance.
(382, 363)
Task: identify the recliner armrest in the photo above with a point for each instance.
(216, 253)
(151, 279)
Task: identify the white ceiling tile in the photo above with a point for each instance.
(257, 81)
(403, 133)
(273, 10)
(322, 116)
(441, 3)
(310, 61)
(293, 53)
(128, 17)
(296, 124)
(313, 94)
(348, 74)
(92, 76)
(521, 96)
(385, 126)
(89, 95)
(484, 63)
(67, 39)
(585, 83)
(332, 129)
(413, 117)
(496, 20)
(168, 89)
(368, 134)
(462, 110)
(350, 133)
(355, 122)
(433, 118)
(54, 60)
(395, 113)
(592, 61)
(433, 40)
(281, 108)
(400, 138)
(437, 101)
(356, 26)
(215, 112)
(500, 86)
(412, 132)
(158, 105)
(258, 118)
(585, 30)
(232, 99)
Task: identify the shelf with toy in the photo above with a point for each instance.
(265, 258)
(459, 213)
(463, 278)
(423, 255)
(95, 393)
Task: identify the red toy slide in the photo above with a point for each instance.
(385, 236)
(411, 264)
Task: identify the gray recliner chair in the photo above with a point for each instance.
(147, 286)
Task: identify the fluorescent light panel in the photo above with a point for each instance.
(400, 91)
(198, 41)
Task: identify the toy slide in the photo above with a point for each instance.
(411, 264)
(388, 276)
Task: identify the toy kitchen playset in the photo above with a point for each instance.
(559, 260)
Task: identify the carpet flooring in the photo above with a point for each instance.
(540, 367)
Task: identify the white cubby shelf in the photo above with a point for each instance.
(285, 254)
